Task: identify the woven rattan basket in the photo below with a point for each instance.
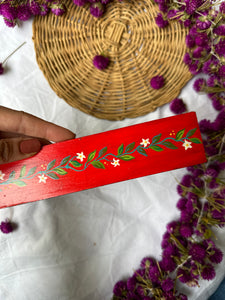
(138, 50)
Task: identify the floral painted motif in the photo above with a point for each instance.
(102, 159)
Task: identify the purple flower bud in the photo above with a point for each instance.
(58, 8)
(199, 84)
(208, 272)
(97, 9)
(186, 230)
(8, 11)
(23, 13)
(222, 7)
(154, 273)
(119, 288)
(167, 264)
(187, 59)
(131, 283)
(44, 9)
(1, 69)
(167, 284)
(190, 41)
(157, 82)
(220, 30)
(101, 62)
(217, 256)
(35, 8)
(181, 203)
(184, 276)
(6, 227)
(197, 252)
(147, 261)
(220, 48)
(80, 2)
(177, 106)
(160, 22)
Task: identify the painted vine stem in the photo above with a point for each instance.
(124, 153)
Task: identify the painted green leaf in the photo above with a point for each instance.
(75, 163)
(91, 156)
(169, 145)
(195, 141)
(12, 175)
(156, 148)
(19, 183)
(156, 138)
(142, 151)
(180, 134)
(53, 175)
(60, 171)
(191, 132)
(22, 171)
(130, 147)
(120, 149)
(31, 171)
(98, 164)
(65, 160)
(102, 151)
(51, 165)
(127, 157)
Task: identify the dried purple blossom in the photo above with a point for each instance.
(212, 171)
(222, 7)
(119, 288)
(101, 62)
(217, 105)
(8, 12)
(197, 252)
(80, 2)
(160, 22)
(186, 230)
(213, 184)
(24, 13)
(167, 264)
(187, 180)
(35, 8)
(131, 284)
(199, 84)
(172, 226)
(194, 68)
(44, 9)
(201, 39)
(219, 123)
(157, 82)
(181, 204)
(220, 30)
(167, 284)
(187, 59)
(154, 273)
(208, 272)
(6, 227)
(97, 9)
(183, 276)
(185, 216)
(205, 126)
(58, 8)
(220, 48)
(190, 41)
(146, 262)
(1, 69)
(177, 106)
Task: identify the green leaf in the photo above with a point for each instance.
(53, 175)
(98, 164)
(19, 183)
(191, 132)
(142, 151)
(75, 163)
(195, 141)
(127, 157)
(103, 151)
(169, 145)
(156, 138)
(31, 171)
(12, 175)
(22, 171)
(60, 171)
(120, 149)
(51, 165)
(65, 160)
(91, 156)
(156, 148)
(130, 147)
(180, 134)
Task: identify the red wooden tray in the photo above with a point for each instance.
(103, 158)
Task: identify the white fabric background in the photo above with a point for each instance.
(78, 246)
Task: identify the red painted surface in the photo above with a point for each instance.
(110, 157)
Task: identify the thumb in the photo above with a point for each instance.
(12, 149)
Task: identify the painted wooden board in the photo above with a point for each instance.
(104, 158)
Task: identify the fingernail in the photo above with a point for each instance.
(30, 146)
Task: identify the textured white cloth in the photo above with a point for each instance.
(78, 246)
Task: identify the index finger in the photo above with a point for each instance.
(26, 124)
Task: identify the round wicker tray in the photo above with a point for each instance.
(138, 50)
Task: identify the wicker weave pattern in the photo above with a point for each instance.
(137, 48)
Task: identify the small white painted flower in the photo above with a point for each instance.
(116, 162)
(42, 178)
(80, 156)
(145, 143)
(2, 175)
(186, 144)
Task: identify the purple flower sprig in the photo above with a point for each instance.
(189, 254)
(6, 226)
